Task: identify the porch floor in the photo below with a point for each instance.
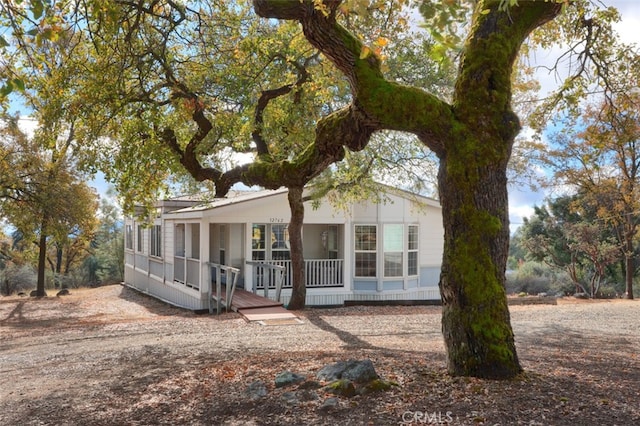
(256, 308)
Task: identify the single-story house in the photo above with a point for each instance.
(368, 251)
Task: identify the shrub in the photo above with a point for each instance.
(17, 278)
(607, 292)
(530, 278)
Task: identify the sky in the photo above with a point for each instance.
(522, 199)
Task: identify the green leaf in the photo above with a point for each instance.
(3, 42)
(6, 89)
(37, 8)
(18, 84)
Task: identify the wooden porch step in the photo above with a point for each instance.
(256, 308)
(273, 314)
(243, 299)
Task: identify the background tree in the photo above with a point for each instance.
(543, 236)
(49, 201)
(587, 240)
(106, 263)
(598, 154)
(567, 236)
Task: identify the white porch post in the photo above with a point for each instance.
(205, 282)
(248, 251)
(347, 255)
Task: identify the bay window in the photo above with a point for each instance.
(366, 250)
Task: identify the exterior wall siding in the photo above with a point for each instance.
(167, 243)
(392, 285)
(430, 276)
(168, 293)
(156, 276)
(365, 285)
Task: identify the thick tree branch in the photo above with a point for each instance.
(344, 127)
(189, 160)
(268, 95)
(489, 54)
(383, 104)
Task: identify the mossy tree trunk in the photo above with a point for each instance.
(475, 318)
(299, 291)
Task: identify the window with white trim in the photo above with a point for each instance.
(139, 241)
(280, 242)
(128, 235)
(180, 240)
(222, 242)
(156, 241)
(393, 243)
(258, 242)
(412, 250)
(365, 250)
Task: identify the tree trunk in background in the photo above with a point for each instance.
(630, 268)
(42, 259)
(299, 290)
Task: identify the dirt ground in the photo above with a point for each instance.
(112, 356)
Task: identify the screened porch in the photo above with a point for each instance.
(322, 247)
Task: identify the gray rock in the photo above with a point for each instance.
(352, 370)
(290, 398)
(310, 384)
(329, 404)
(307, 395)
(256, 390)
(287, 378)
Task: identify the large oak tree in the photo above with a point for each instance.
(472, 134)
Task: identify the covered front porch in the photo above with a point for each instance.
(263, 259)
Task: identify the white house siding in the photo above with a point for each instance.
(181, 297)
(396, 210)
(167, 243)
(235, 250)
(168, 247)
(431, 248)
(238, 215)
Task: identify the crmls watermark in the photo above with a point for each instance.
(427, 417)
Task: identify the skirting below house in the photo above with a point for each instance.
(339, 299)
(184, 297)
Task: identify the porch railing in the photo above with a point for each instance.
(318, 273)
(222, 275)
(187, 272)
(268, 276)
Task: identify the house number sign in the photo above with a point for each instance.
(276, 220)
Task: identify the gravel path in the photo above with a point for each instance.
(100, 353)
